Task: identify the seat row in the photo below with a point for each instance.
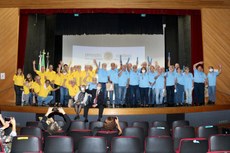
(122, 144)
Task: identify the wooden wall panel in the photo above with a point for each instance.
(216, 44)
(9, 26)
(163, 4)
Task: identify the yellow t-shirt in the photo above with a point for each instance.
(78, 76)
(58, 79)
(93, 73)
(36, 87)
(50, 75)
(73, 90)
(44, 91)
(27, 87)
(18, 80)
(88, 79)
(42, 75)
(63, 78)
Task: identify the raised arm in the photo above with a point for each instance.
(220, 69)
(34, 68)
(97, 67)
(195, 65)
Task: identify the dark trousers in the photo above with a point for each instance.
(144, 95)
(133, 94)
(103, 89)
(198, 93)
(18, 92)
(170, 94)
(87, 107)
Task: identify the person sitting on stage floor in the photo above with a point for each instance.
(5, 125)
(110, 124)
(81, 100)
(43, 95)
(96, 100)
(49, 124)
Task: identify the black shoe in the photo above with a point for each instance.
(77, 117)
(98, 119)
(86, 120)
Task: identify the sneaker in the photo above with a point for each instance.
(86, 120)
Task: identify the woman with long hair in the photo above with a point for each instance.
(18, 85)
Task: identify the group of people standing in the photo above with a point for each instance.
(125, 86)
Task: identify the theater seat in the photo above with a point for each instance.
(142, 124)
(77, 125)
(125, 144)
(158, 131)
(219, 142)
(108, 135)
(207, 131)
(32, 131)
(193, 145)
(94, 124)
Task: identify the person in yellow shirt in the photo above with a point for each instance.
(78, 74)
(27, 95)
(35, 88)
(73, 89)
(18, 80)
(50, 75)
(64, 95)
(43, 95)
(41, 73)
(57, 83)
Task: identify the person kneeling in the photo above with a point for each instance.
(81, 100)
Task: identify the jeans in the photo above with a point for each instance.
(179, 93)
(188, 93)
(122, 93)
(212, 93)
(159, 96)
(133, 94)
(115, 91)
(152, 96)
(170, 94)
(18, 93)
(46, 100)
(53, 94)
(199, 93)
(103, 89)
(144, 95)
(64, 96)
(26, 99)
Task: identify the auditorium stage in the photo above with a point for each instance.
(123, 111)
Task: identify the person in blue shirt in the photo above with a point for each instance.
(152, 93)
(134, 85)
(144, 86)
(199, 83)
(113, 78)
(170, 77)
(188, 86)
(102, 78)
(212, 84)
(159, 86)
(123, 83)
(179, 87)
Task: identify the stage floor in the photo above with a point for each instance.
(123, 111)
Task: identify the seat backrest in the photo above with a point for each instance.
(161, 124)
(182, 132)
(158, 131)
(159, 144)
(92, 144)
(219, 142)
(123, 124)
(77, 125)
(76, 135)
(179, 123)
(142, 124)
(207, 131)
(22, 144)
(94, 124)
(135, 132)
(32, 131)
(61, 123)
(125, 144)
(192, 145)
(108, 135)
(60, 144)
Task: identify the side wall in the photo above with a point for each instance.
(216, 48)
(9, 29)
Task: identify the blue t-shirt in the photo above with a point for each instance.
(92, 86)
(133, 78)
(180, 78)
(199, 77)
(212, 78)
(170, 78)
(188, 79)
(102, 75)
(123, 79)
(113, 74)
(143, 80)
(160, 82)
(151, 78)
